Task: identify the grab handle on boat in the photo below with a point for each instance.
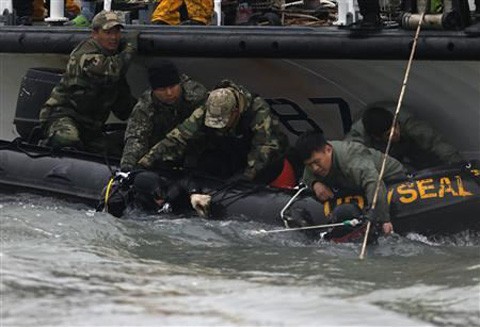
(289, 203)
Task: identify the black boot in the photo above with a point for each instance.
(192, 22)
(474, 29)
(370, 10)
(24, 11)
(371, 21)
(24, 21)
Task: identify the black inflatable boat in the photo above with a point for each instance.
(437, 201)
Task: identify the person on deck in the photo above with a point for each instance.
(233, 134)
(171, 99)
(183, 12)
(27, 11)
(86, 14)
(153, 194)
(347, 165)
(93, 85)
(414, 143)
(71, 9)
(370, 11)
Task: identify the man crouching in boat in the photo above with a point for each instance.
(153, 194)
(171, 99)
(233, 134)
(414, 143)
(339, 165)
(93, 85)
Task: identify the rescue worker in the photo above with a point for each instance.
(171, 99)
(148, 192)
(233, 133)
(370, 11)
(93, 85)
(185, 12)
(414, 143)
(87, 12)
(344, 165)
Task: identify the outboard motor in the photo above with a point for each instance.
(34, 91)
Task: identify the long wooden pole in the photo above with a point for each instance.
(392, 129)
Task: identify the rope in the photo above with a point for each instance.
(16, 144)
(392, 128)
(351, 223)
(107, 193)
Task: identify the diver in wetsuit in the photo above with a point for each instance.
(148, 192)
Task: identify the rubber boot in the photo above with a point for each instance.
(370, 10)
(24, 11)
(474, 29)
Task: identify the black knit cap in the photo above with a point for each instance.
(377, 121)
(163, 74)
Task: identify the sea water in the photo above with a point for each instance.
(62, 264)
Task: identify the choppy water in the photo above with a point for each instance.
(62, 264)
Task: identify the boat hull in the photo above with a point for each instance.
(437, 201)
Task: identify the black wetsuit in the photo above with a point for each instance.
(140, 191)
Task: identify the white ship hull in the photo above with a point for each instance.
(445, 93)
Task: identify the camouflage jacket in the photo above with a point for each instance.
(93, 85)
(268, 142)
(356, 167)
(151, 119)
(420, 146)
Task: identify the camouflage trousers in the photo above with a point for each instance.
(65, 132)
(168, 11)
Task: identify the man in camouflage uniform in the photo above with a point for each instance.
(171, 99)
(414, 142)
(234, 131)
(347, 165)
(93, 85)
